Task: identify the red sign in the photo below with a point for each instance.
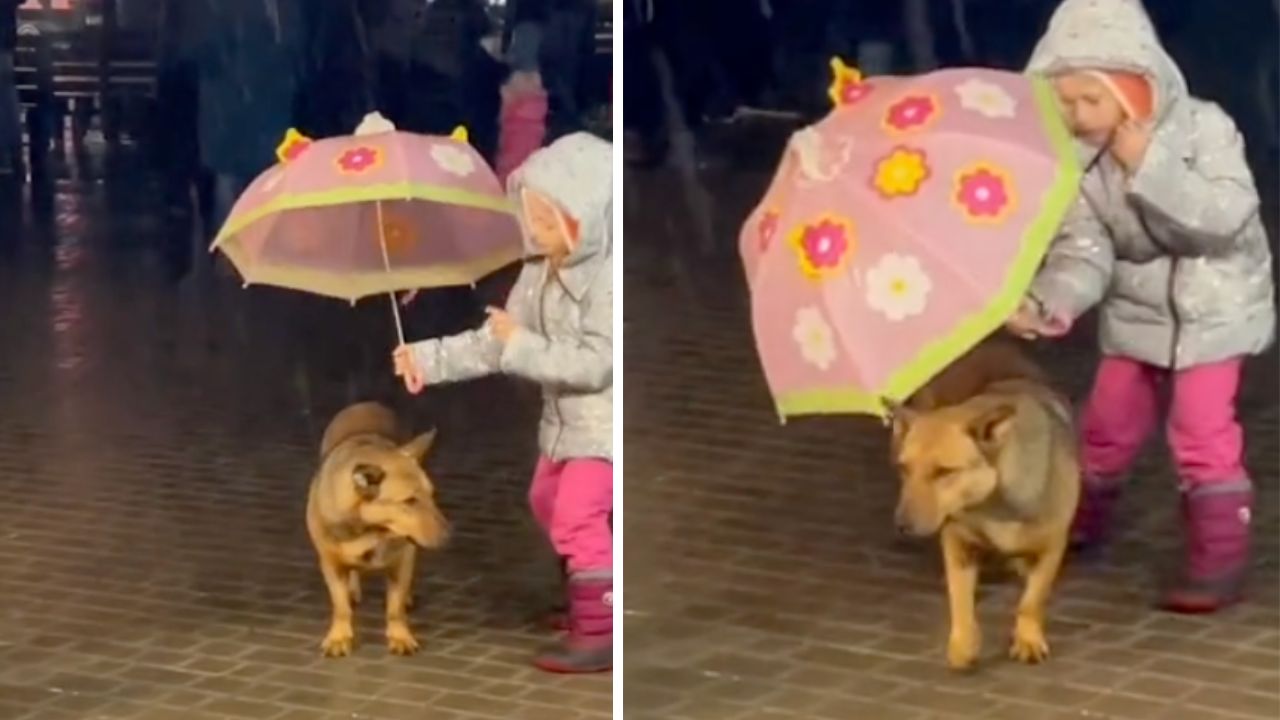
(36, 5)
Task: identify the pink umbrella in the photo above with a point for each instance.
(371, 213)
(900, 230)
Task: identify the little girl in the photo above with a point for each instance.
(557, 330)
(1166, 239)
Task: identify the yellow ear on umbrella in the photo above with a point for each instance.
(292, 146)
(847, 84)
(459, 134)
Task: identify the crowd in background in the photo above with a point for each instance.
(727, 54)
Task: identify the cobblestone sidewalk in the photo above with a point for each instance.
(156, 442)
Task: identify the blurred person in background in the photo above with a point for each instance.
(10, 124)
(249, 60)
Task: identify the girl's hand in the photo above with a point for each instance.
(1129, 145)
(407, 369)
(1025, 322)
(501, 324)
(1029, 323)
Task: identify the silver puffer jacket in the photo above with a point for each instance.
(565, 341)
(1176, 254)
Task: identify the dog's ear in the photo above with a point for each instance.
(898, 416)
(367, 479)
(991, 427)
(418, 447)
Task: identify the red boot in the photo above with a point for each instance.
(588, 646)
(1217, 527)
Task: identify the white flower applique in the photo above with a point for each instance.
(453, 160)
(814, 337)
(897, 287)
(986, 98)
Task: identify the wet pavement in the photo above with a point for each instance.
(156, 441)
(764, 579)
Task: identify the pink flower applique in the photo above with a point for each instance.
(824, 246)
(767, 229)
(912, 112)
(359, 160)
(984, 193)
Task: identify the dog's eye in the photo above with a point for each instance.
(411, 501)
(941, 473)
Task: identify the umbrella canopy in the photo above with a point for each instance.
(901, 230)
(375, 212)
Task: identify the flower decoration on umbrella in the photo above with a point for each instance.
(986, 98)
(847, 84)
(984, 193)
(823, 246)
(293, 145)
(398, 233)
(453, 160)
(814, 337)
(898, 287)
(768, 228)
(911, 113)
(901, 173)
(359, 160)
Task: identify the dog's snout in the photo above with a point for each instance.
(901, 521)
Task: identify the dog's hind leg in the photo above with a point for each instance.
(965, 640)
(353, 587)
(1029, 644)
(341, 636)
(400, 639)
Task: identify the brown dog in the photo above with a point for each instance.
(987, 458)
(370, 507)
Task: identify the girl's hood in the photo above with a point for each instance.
(1110, 35)
(576, 172)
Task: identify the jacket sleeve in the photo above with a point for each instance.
(1077, 271)
(1197, 208)
(472, 354)
(584, 363)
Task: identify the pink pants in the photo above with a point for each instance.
(572, 501)
(1203, 434)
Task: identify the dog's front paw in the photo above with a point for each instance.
(1029, 645)
(400, 639)
(339, 641)
(962, 649)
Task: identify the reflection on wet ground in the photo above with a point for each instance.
(156, 440)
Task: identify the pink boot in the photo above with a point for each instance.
(588, 645)
(1217, 526)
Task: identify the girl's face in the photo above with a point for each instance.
(1090, 109)
(547, 225)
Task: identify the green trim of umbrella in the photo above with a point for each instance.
(936, 356)
(388, 192)
(354, 286)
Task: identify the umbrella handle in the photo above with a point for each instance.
(386, 261)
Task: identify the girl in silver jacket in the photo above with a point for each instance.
(1166, 240)
(557, 330)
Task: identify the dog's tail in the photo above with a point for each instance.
(366, 418)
